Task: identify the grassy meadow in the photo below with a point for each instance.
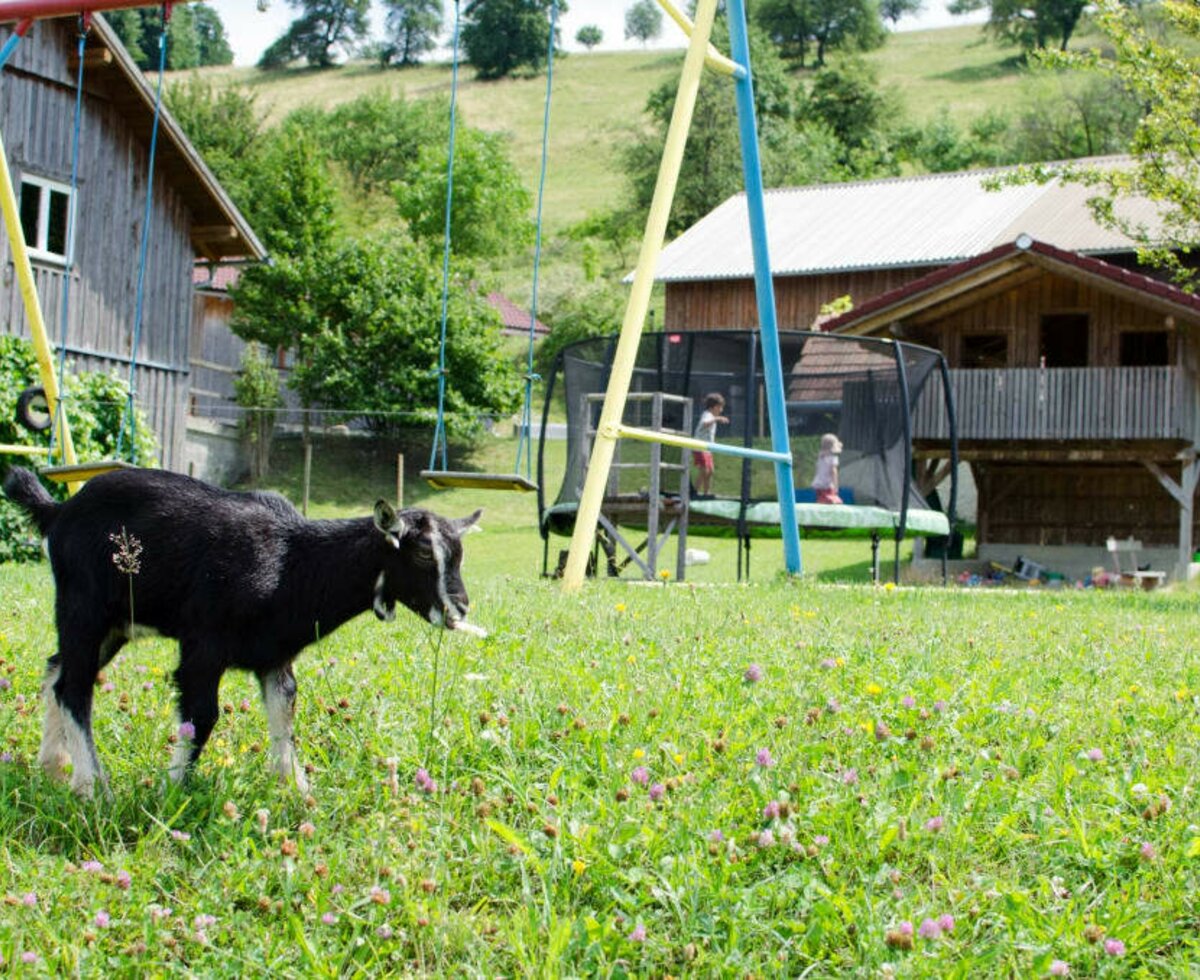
(780, 778)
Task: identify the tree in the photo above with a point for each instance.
(847, 100)
(712, 163)
(589, 36)
(500, 36)
(411, 29)
(1165, 79)
(893, 10)
(256, 391)
(1032, 24)
(795, 25)
(489, 213)
(227, 128)
(324, 28)
(378, 136)
(212, 40)
(377, 302)
(195, 36)
(643, 21)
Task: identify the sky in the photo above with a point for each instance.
(250, 31)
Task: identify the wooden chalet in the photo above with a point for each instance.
(1077, 393)
(192, 216)
(1075, 376)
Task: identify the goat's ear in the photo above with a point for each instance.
(465, 525)
(389, 522)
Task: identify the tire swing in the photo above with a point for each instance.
(521, 479)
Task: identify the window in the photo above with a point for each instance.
(45, 214)
(1144, 348)
(985, 350)
(1064, 341)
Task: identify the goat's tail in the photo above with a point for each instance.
(24, 490)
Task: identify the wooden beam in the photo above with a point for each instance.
(1184, 493)
(93, 59)
(937, 294)
(214, 233)
(37, 9)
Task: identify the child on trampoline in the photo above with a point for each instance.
(706, 431)
(825, 481)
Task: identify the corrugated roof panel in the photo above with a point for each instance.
(907, 221)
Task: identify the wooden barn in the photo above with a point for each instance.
(192, 217)
(1075, 376)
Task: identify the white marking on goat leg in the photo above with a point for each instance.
(53, 755)
(83, 758)
(181, 755)
(382, 610)
(280, 714)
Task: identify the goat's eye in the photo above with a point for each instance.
(423, 554)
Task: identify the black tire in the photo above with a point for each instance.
(33, 411)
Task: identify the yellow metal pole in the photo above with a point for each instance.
(639, 299)
(714, 59)
(33, 310)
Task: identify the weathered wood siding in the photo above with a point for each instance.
(724, 304)
(1017, 314)
(1074, 504)
(36, 114)
(1061, 404)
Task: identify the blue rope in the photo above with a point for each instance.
(524, 444)
(130, 422)
(439, 435)
(65, 317)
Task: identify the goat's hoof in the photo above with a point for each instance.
(57, 765)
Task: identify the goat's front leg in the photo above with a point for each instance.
(279, 698)
(199, 684)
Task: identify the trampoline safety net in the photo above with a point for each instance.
(873, 394)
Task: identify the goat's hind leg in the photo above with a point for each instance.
(70, 679)
(279, 698)
(53, 755)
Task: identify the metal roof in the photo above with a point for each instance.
(933, 219)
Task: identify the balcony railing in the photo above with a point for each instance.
(1062, 403)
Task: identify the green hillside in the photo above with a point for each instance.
(598, 97)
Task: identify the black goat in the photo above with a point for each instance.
(239, 579)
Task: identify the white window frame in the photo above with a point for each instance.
(39, 249)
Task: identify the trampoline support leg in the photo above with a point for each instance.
(874, 557)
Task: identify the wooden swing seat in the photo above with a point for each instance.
(82, 472)
(448, 479)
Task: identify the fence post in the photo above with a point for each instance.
(400, 481)
(307, 475)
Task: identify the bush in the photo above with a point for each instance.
(95, 405)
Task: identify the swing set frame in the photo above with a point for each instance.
(24, 13)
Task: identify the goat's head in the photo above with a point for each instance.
(422, 565)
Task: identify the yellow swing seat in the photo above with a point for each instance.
(82, 472)
(448, 479)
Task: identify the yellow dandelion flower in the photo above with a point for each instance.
(678, 757)
(874, 689)
(840, 661)
(889, 587)
(1181, 694)
(578, 867)
(639, 753)
(1134, 688)
(631, 660)
(619, 607)
(664, 574)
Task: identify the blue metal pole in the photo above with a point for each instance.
(763, 288)
(13, 40)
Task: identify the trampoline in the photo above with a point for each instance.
(864, 390)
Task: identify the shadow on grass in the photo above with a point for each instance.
(973, 74)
